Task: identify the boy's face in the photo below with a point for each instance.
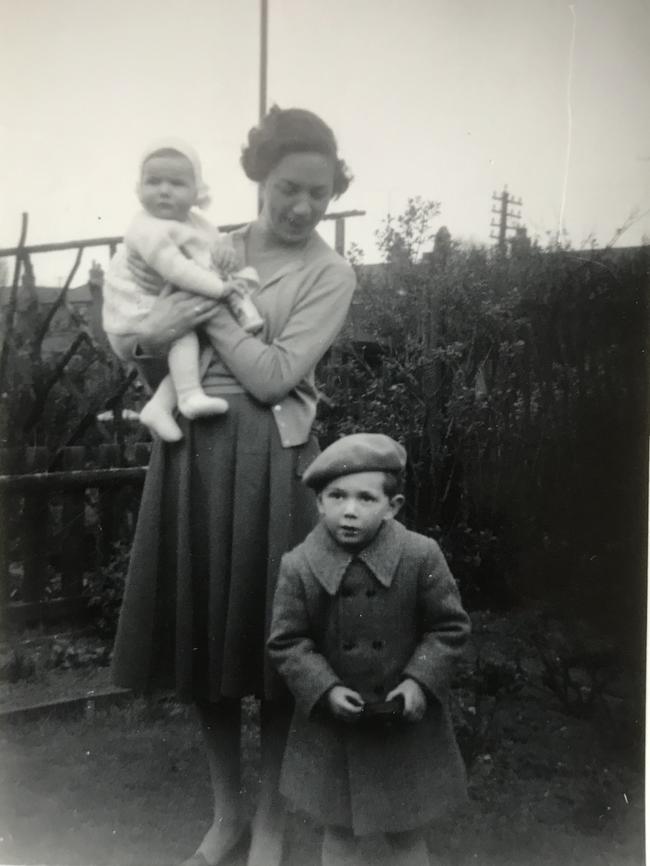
(353, 508)
(167, 187)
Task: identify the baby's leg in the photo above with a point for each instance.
(193, 402)
(157, 413)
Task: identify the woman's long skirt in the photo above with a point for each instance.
(218, 511)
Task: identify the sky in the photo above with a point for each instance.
(449, 100)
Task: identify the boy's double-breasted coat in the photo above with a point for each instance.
(367, 622)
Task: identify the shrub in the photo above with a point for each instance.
(518, 386)
(105, 589)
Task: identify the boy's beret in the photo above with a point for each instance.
(359, 452)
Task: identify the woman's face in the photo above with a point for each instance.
(296, 194)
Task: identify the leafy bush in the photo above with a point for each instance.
(105, 588)
(518, 386)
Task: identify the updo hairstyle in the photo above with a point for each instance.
(291, 130)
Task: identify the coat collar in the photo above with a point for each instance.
(329, 562)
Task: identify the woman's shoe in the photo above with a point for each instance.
(239, 847)
(196, 860)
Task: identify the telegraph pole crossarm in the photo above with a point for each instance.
(508, 218)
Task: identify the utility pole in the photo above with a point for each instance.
(264, 42)
(264, 56)
(506, 217)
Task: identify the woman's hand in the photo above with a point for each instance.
(173, 315)
(415, 700)
(344, 703)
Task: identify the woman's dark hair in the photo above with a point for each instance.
(291, 130)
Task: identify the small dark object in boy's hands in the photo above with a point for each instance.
(383, 712)
(415, 700)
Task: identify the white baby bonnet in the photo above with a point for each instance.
(202, 189)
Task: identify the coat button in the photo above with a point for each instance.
(378, 644)
(347, 592)
(371, 592)
(349, 645)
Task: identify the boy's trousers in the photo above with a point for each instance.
(342, 848)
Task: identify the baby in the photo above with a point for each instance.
(187, 251)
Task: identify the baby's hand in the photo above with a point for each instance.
(344, 703)
(225, 259)
(415, 701)
(235, 284)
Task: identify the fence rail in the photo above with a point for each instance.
(61, 526)
(112, 241)
(101, 478)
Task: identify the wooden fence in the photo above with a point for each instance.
(63, 509)
(61, 526)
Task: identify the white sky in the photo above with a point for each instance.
(446, 99)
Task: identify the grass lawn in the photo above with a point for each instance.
(129, 786)
(121, 788)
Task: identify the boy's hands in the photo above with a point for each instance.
(344, 703)
(415, 701)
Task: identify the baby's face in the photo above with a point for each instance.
(167, 187)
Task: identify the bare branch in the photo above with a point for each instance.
(56, 306)
(633, 217)
(11, 307)
(37, 408)
(89, 417)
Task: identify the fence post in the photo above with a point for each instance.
(142, 453)
(109, 456)
(35, 523)
(4, 564)
(73, 553)
(4, 569)
(339, 235)
(10, 463)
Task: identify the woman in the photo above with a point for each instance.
(220, 507)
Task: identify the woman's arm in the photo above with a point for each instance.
(270, 371)
(172, 315)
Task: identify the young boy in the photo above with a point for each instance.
(188, 252)
(367, 624)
